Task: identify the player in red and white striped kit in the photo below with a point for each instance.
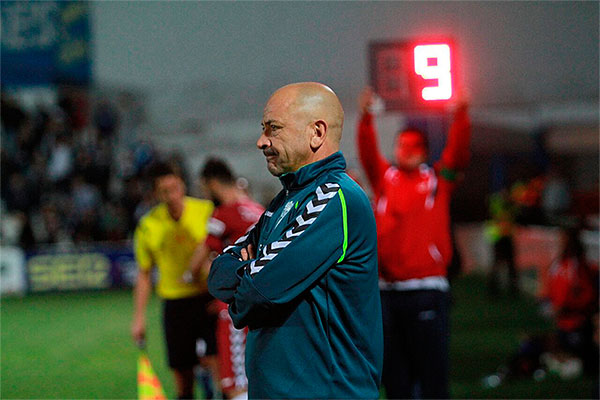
(236, 212)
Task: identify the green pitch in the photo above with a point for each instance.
(485, 333)
(77, 345)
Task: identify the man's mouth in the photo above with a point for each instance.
(270, 154)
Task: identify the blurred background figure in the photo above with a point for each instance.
(166, 238)
(234, 215)
(556, 199)
(571, 348)
(412, 203)
(500, 232)
(572, 291)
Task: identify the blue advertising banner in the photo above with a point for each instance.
(89, 268)
(29, 38)
(44, 43)
(73, 58)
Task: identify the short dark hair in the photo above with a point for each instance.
(419, 132)
(216, 168)
(158, 169)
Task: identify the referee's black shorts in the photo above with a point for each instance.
(188, 326)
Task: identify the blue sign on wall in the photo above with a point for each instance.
(96, 267)
(45, 43)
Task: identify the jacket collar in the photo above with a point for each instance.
(310, 172)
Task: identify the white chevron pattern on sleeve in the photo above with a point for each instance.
(315, 206)
(239, 241)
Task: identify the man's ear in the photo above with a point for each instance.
(319, 134)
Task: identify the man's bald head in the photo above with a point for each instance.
(315, 101)
(302, 123)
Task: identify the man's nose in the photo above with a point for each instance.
(263, 142)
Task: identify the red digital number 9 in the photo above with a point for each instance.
(432, 61)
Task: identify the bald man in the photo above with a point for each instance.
(304, 278)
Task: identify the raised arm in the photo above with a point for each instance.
(456, 154)
(369, 155)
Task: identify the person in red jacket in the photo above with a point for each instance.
(412, 202)
(236, 212)
(572, 289)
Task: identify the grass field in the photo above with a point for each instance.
(77, 345)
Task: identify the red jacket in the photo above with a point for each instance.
(230, 222)
(412, 208)
(572, 291)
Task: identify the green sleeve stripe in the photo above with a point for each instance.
(345, 224)
(448, 174)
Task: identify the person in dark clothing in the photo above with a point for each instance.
(304, 279)
(412, 209)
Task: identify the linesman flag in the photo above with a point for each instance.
(149, 387)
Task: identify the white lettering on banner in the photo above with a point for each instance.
(69, 271)
(12, 270)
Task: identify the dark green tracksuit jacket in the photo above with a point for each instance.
(310, 298)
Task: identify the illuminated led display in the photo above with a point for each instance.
(432, 61)
(415, 74)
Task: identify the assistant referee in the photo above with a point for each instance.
(166, 238)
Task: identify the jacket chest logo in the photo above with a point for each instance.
(286, 210)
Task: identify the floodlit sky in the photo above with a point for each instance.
(509, 52)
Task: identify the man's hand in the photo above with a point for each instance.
(196, 276)
(365, 100)
(248, 253)
(138, 330)
(462, 101)
(198, 268)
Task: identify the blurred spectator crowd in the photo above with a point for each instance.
(66, 178)
(73, 173)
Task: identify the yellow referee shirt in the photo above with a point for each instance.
(160, 240)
